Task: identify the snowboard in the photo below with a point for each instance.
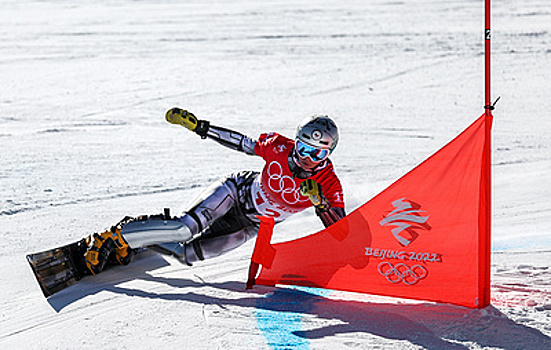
(59, 268)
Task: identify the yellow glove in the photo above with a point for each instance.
(312, 189)
(188, 120)
(181, 117)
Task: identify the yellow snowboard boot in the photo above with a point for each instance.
(108, 246)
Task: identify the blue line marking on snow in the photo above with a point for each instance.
(279, 316)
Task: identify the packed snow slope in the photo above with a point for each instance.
(83, 143)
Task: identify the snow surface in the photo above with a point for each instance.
(84, 87)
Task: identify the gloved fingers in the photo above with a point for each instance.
(181, 117)
(310, 187)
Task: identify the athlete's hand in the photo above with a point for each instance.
(313, 191)
(181, 117)
(188, 120)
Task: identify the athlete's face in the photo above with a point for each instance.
(309, 156)
(307, 163)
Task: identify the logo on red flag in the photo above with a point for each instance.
(402, 272)
(408, 218)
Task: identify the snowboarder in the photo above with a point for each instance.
(298, 174)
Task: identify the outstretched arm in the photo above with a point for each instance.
(226, 137)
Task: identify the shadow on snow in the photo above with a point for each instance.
(432, 326)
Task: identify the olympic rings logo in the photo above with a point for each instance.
(402, 273)
(284, 184)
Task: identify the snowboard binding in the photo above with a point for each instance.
(110, 247)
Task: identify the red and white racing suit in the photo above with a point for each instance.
(276, 192)
(224, 216)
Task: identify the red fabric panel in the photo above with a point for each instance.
(263, 252)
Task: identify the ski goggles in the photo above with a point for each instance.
(316, 154)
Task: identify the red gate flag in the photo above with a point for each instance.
(426, 237)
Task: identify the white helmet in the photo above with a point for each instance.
(318, 131)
